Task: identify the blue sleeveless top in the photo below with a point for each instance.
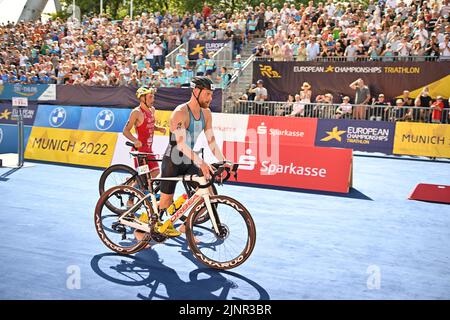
(195, 128)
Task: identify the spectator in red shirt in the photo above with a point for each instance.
(437, 108)
(206, 11)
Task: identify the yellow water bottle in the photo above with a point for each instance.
(144, 217)
(177, 204)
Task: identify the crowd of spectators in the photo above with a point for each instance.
(99, 51)
(385, 30)
(364, 105)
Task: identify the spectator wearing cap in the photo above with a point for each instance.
(437, 107)
(200, 67)
(168, 70)
(351, 51)
(186, 75)
(417, 51)
(344, 111)
(181, 58)
(432, 49)
(378, 108)
(210, 64)
(424, 101)
(277, 53)
(404, 48)
(224, 77)
(260, 92)
(238, 38)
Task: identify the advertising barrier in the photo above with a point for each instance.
(103, 119)
(422, 139)
(9, 137)
(369, 136)
(63, 117)
(314, 168)
(8, 114)
(90, 148)
(292, 131)
(34, 92)
(284, 78)
(204, 47)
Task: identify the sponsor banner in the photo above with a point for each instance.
(9, 138)
(284, 78)
(162, 119)
(89, 148)
(64, 117)
(326, 169)
(103, 119)
(34, 92)
(204, 47)
(422, 139)
(160, 141)
(370, 136)
(122, 151)
(294, 131)
(123, 96)
(8, 114)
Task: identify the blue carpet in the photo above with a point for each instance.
(309, 245)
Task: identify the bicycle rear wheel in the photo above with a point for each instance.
(117, 175)
(115, 235)
(237, 238)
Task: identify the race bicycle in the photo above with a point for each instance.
(224, 240)
(121, 174)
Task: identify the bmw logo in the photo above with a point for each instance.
(1, 135)
(104, 120)
(57, 117)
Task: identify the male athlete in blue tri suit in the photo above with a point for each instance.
(187, 122)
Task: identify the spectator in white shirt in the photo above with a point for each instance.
(444, 48)
(312, 49)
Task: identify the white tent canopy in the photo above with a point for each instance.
(10, 10)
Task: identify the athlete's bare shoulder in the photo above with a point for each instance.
(179, 111)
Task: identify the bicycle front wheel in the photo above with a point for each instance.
(235, 241)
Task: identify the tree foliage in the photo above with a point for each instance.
(118, 9)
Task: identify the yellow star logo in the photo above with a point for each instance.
(5, 114)
(197, 50)
(334, 134)
(330, 69)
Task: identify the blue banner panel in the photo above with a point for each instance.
(204, 47)
(8, 114)
(103, 119)
(34, 92)
(370, 136)
(65, 117)
(9, 136)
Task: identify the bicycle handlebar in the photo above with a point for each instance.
(220, 168)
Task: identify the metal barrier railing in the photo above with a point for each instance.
(360, 59)
(238, 80)
(225, 54)
(333, 111)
